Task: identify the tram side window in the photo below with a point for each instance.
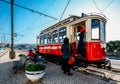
(62, 34)
(41, 40)
(38, 40)
(95, 29)
(44, 39)
(49, 37)
(55, 36)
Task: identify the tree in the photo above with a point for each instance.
(112, 46)
(7, 45)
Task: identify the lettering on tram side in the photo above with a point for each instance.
(51, 47)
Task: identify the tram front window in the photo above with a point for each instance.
(102, 31)
(95, 29)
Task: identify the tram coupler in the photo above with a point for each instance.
(107, 64)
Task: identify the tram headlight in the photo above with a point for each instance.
(104, 45)
(105, 50)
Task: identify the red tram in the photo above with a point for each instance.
(93, 43)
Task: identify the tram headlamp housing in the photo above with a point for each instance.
(103, 45)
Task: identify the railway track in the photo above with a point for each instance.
(106, 75)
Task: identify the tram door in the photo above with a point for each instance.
(81, 37)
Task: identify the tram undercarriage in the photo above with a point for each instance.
(80, 62)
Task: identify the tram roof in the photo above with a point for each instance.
(74, 18)
(63, 22)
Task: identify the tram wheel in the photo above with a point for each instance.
(107, 65)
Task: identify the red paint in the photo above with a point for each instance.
(94, 51)
(54, 49)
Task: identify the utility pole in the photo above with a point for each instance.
(12, 52)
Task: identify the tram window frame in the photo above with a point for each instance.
(41, 39)
(44, 39)
(102, 26)
(62, 34)
(38, 40)
(55, 36)
(49, 38)
(95, 35)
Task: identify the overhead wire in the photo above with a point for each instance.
(39, 17)
(35, 12)
(64, 10)
(30, 25)
(10, 34)
(4, 22)
(34, 22)
(102, 11)
(108, 5)
(44, 23)
(97, 7)
(49, 5)
(30, 9)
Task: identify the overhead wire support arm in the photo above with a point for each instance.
(97, 6)
(30, 10)
(108, 5)
(64, 10)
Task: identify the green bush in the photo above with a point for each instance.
(20, 55)
(35, 67)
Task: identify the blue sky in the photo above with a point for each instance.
(30, 24)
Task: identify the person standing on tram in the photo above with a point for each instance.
(81, 42)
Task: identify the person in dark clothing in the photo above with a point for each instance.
(67, 51)
(81, 43)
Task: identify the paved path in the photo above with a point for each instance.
(54, 75)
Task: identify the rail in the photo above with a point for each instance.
(106, 75)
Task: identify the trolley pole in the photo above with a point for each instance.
(12, 52)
